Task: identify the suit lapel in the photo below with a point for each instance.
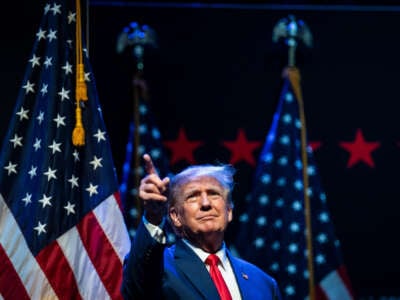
(194, 270)
(242, 278)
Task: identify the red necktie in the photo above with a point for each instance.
(212, 260)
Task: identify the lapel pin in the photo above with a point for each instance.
(245, 276)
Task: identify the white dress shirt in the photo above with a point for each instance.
(224, 266)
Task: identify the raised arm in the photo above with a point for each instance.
(142, 277)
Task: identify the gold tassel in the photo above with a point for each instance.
(78, 134)
(81, 89)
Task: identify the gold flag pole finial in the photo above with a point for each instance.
(78, 134)
(292, 31)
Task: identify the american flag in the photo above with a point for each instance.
(273, 231)
(62, 233)
(148, 141)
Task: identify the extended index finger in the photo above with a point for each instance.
(148, 164)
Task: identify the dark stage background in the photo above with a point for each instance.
(217, 71)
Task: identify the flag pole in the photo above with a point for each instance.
(138, 38)
(137, 91)
(291, 31)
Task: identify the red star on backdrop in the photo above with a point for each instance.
(182, 148)
(242, 149)
(360, 150)
(315, 145)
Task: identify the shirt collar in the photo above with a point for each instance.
(221, 253)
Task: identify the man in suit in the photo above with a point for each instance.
(199, 207)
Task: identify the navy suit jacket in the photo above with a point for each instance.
(153, 271)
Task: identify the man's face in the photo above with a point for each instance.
(202, 207)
